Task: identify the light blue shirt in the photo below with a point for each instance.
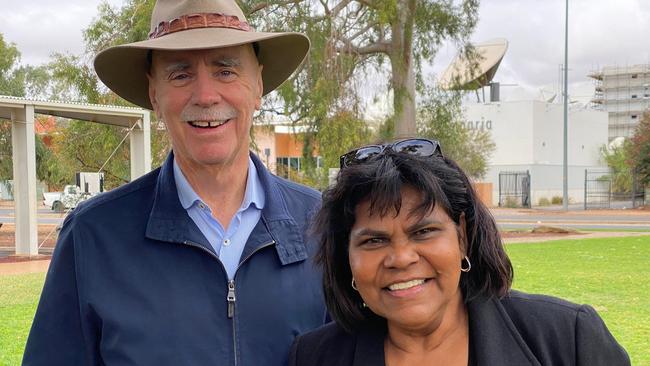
(228, 244)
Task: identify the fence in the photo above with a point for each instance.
(605, 188)
(514, 189)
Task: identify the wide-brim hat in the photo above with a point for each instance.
(193, 25)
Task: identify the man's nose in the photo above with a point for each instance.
(206, 90)
(401, 255)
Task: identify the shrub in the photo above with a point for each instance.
(511, 202)
(544, 201)
(556, 200)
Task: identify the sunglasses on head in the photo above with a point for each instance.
(418, 147)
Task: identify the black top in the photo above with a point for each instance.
(519, 329)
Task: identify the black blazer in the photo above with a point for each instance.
(519, 329)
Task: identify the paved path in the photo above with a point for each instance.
(15, 268)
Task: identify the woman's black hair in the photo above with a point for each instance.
(380, 180)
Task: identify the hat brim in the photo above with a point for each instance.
(124, 68)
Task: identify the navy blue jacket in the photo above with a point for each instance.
(518, 330)
(134, 282)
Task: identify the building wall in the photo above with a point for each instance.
(529, 136)
(273, 142)
(264, 142)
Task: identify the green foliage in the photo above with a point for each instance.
(114, 26)
(639, 150)
(617, 159)
(11, 83)
(6, 165)
(339, 134)
(12, 75)
(543, 201)
(66, 77)
(556, 200)
(440, 118)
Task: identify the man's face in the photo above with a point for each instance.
(207, 99)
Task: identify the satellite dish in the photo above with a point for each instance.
(462, 74)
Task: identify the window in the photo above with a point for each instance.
(634, 116)
(634, 76)
(634, 96)
(287, 167)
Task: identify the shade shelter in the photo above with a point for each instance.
(21, 112)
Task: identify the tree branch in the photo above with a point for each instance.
(367, 3)
(262, 6)
(377, 47)
(340, 6)
(96, 168)
(362, 31)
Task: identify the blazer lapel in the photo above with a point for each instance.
(494, 338)
(370, 347)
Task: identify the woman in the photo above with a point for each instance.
(414, 273)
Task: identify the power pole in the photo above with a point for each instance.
(565, 176)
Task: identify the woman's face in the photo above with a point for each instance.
(407, 268)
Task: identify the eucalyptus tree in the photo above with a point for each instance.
(350, 37)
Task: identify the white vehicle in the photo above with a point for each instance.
(92, 183)
(68, 199)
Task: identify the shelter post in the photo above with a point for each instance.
(140, 142)
(24, 171)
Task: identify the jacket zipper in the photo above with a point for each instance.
(230, 297)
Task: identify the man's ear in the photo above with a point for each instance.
(260, 89)
(152, 94)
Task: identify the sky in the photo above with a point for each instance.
(601, 33)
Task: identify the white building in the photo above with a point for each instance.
(624, 92)
(529, 137)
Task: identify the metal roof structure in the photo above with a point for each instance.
(21, 111)
(106, 114)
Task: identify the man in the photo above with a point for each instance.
(205, 260)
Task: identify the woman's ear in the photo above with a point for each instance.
(462, 233)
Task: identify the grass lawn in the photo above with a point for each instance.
(18, 298)
(611, 274)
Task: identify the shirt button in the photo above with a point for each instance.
(226, 242)
(201, 205)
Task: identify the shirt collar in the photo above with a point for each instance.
(254, 194)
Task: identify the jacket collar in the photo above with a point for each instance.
(494, 339)
(168, 220)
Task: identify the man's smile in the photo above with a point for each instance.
(208, 124)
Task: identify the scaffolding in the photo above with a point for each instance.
(624, 92)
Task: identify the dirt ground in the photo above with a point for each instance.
(47, 235)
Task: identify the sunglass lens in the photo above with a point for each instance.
(367, 152)
(416, 147)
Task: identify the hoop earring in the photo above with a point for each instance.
(469, 265)
(354, 285)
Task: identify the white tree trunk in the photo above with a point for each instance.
(403, 80)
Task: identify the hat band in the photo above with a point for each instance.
(199, 20)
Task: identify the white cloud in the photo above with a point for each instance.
(601, 33)
(42, 27)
